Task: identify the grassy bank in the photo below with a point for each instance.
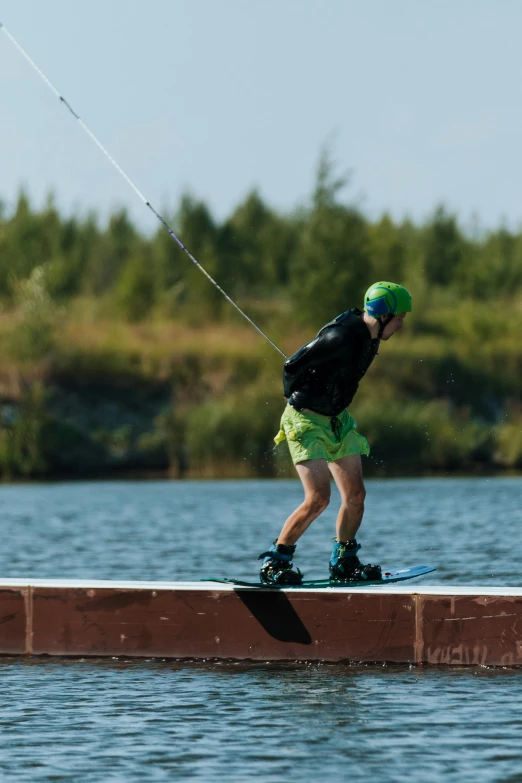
(84, 393)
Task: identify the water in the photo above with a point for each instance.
(154, 720)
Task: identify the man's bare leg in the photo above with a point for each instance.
(315, 478)
(347, 474)
(344, 563)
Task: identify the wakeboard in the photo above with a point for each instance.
(387, 578)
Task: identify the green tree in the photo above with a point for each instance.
(199, 234)
(136, 289)
(28, 239)
(332, 266)
(78, 244)
(386, 250)
(444, 248)
(260, 245)
(106, 261)
(493, 268)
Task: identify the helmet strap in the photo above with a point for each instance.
(383, 323)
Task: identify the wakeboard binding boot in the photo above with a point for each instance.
(277, 568)
(345, 566)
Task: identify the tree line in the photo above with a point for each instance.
(320, 258)
(444, 395)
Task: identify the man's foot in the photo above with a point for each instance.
(277, 568)
(345, 566)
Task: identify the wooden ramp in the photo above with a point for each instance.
(443, 625)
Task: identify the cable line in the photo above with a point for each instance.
(133, 186)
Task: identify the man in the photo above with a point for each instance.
(320, 381)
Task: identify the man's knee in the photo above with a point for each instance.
(319, 500)
(357, 494)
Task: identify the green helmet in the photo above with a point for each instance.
(383, 297)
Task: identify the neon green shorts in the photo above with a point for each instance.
(310, 436)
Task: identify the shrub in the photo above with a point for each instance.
(33, 336)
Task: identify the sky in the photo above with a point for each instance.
(419, 99)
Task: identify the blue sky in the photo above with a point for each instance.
(419, 98)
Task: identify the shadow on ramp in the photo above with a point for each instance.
(275, 614)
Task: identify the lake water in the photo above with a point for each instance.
(153, 720)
